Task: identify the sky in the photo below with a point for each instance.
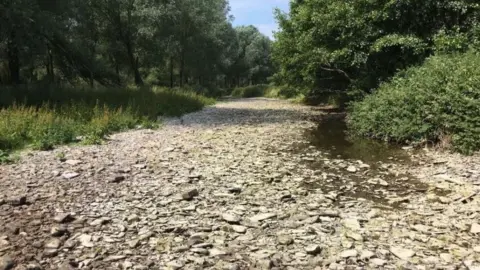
(258, 13)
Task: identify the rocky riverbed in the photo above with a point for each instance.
(240, 185)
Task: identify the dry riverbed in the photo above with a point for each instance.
(240, 185)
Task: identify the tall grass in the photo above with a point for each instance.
(49, 116)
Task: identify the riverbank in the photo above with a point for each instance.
(237, 185)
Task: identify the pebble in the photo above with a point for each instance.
(63, 218)
(262, 217)
(402, 253)
(239, 229)
(285, 240)
(190, 194)
(231, 218)
(313, 249)
(349, 253)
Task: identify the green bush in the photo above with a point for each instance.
(54, 116)
(437, 101)
(250, 91)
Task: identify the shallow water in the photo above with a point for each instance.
(380, 183)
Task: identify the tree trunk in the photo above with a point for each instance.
(171, 72)
(133, 62)
(13, 59)
(182, 67)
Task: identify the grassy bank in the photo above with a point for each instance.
(269, 91)
(436, 103)
(49, 116)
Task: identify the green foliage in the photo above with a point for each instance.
(250, 91)
(438, 100)
(53, 116)
(340, 45)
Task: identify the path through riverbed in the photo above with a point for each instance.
(240, 185)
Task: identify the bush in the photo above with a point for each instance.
(438, 100)
(250, 91)
(53, 116)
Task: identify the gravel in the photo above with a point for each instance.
(235, 186)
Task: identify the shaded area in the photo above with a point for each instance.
(375, 176)
(331, 136)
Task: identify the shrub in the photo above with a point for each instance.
(440, 99)
(250, 91)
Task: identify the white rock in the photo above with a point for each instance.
(239, 229)
(261, 217)
(402, 253)
(85, 240)
(349, 253)
(231, 218)
(366, 254)
(475, 228)
(378, 262)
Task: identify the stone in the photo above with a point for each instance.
(190, 194)
(262, 217)
(378, 262)
(133, 243)
(70, 175)
(446, 257)
(63, 218)
(352, 169)
(18, 201)
(217, 252)
(355, 236)
(231, 218)
(349, 253)
(351, 224)
(49, 253)
(6, 263)
(201, 251)
(366, 254)
(401, 253)
(73, 162)
(53, 244)
(175, 265)
(100, 221)
(239, 229)
(475, 228)
(86, 240)
(313, 249)
(115, 258)
(58, 231)
(284, 240)
(33, 266)
(117, 179)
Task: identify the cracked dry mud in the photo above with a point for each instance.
(237, 186)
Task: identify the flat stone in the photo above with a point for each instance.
(190, 194)
(378, 262)
(175, 265)
(313, 249)
(115, 258)
(351, 224)
(50, 252)
(58, 231)
(53, 244)
(86, 240)
(73, 162)
(352, 169)
(70, 175)
(231, 218)
(284, 240)
(33, 266)
(199, 251)
(6, 263)
(349, 253)
(18, 201)
(239, 229)
(117, 179)
(217, 252)
(63, 218)
(262, 217)
(446, 257)
(354, 236)
(100, 221)
(401, 253)
(366, 254)
(475, 228)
